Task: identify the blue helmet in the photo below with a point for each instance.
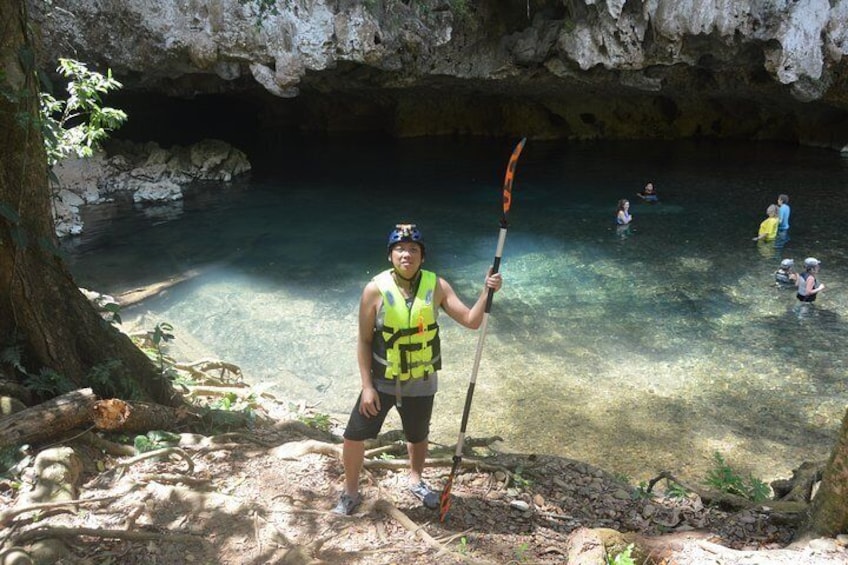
(405, 232)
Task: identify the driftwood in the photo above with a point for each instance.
(121, 416)
(48, 419)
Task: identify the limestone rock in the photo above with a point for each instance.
(148, 173)
(227, 38)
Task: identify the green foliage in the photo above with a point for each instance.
(641, 492)
(463, 545)
(317, 421)
(623, 558)
(48, 383)
(155, 439)
(226, 402)
(107, 380)
(521, 553)
(722, 477)
(160, 335)
(115, 310)
(520, 481)
(12, 355)
(676, 491)
(79, 124)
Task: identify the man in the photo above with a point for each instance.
(398, 354)
(783, 212)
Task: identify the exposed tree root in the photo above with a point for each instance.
(59, 532)
(110, 447)
(728, 501)
(395, 464)
(165, 478)
(391, 511)
(121, 467)
(297, 449)
(228, 373)
(6, 516)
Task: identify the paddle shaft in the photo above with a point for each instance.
(469, 396)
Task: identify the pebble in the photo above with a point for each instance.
(823, 544)
(520, 505)
(621, 494)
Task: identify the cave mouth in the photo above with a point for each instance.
(263, 125)
(257, 123)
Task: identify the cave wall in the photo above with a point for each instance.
(572, 69)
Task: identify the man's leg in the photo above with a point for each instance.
(417, 455)
(353, 454)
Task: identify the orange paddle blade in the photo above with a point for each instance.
(510, 176)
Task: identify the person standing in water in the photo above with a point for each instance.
(768, 227)
(785, 276)
(399, 356)
(622, 213)
(808, 286)
(648, 194)
(783, 212)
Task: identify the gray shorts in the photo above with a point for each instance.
(415, 413)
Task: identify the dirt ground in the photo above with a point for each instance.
(265, 495)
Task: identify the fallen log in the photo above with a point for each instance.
(49, 419)
(117, 415)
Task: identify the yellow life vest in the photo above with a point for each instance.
(406, 344)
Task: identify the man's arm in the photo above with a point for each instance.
(370, 403)
(454, 307)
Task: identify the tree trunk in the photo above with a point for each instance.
(41, 309)
(829, 512)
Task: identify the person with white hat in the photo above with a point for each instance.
(785, 276)
(808, 286)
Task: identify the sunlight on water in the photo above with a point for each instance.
(636, 352)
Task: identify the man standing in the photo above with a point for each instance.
(783, 212)
(398, 354)
(783, 221)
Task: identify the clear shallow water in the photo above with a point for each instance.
(636, 353)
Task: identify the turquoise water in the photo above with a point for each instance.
(637, 351)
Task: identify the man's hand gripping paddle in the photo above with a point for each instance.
(445, 499)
